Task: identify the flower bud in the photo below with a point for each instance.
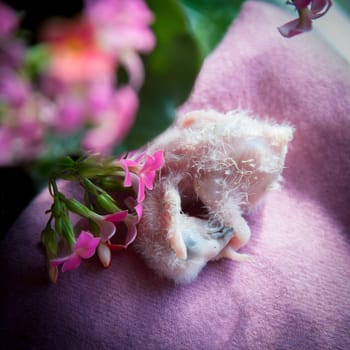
(49, 240)
(107, 203)
(112, 183)
(64, 228)
(78, 208)
(59, 225)
(59, 208)
(92, 167)
(53, 273)
(89, 186)
(104, 254)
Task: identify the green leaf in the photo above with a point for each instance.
(210, 19)
(345, 5)
(281, 3)
(170, 72)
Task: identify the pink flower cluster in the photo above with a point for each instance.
(139, 171)
(76, 88)
(308, 10)
(84, 248)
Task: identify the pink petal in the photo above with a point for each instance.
(13, 89)
(127, 179)
(99, 95)
(70, 114)
(139, 212)
(132, 233)
(154, 162)
(58, 261)
(8, 20)
(131, 224)
(135, 179)
(320, 8)
(107, 230)
(158, 159)
(72, 263)
(143, 40)
(141, 191)
(125, 164)
(126, 103)
(122, 24)
(113, 123)
(134, 66)
(116, 217)
(294, 27)
(149, 179)
(101, 138)
(138, 157)
(86, 244)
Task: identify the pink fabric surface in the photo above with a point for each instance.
(294, 294)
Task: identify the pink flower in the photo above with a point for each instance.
(8, 20)
(131, 222)
(108, 227)
(13, 89)
(99, 95)
(122, 29)
(144, 166)
(122, 24)
(29, 135)
(84, 248)
(70, 113)
(12, 53)
(148, 172)
(74, 55)
(308, 10)
(113, 123)
(134, 66)
(108, 224)
(20, 142)
(108, 230)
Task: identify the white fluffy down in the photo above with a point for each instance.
(217, 167)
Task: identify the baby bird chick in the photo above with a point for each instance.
(217, 167)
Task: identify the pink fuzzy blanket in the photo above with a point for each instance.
(294, 294)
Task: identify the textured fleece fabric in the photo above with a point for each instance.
(293, 294)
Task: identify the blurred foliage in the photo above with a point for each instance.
(209, 20)
(186, 31)
(345, 4)
(170, 71)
